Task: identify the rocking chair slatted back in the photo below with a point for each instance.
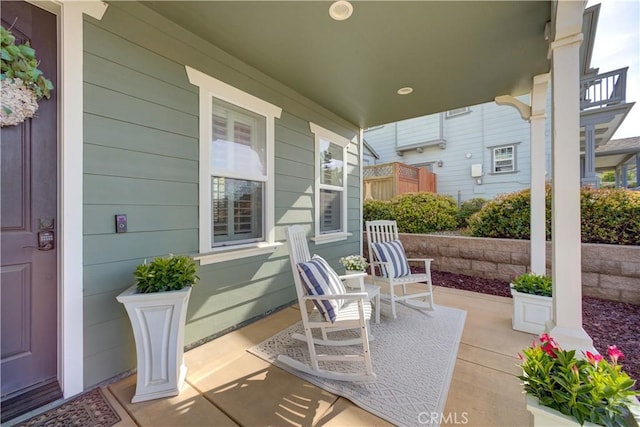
(298, 251)
(381, 231)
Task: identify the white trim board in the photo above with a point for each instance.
(70, 200)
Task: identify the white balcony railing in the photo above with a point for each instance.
(604, 89)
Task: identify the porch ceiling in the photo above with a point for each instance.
(453, 54)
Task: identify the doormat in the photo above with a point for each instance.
(91, 409)
(413, 357)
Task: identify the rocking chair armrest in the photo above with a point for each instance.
(349, 296)
(420, 259)
(352, 276)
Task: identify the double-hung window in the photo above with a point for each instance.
(504, 159)
(236, 183)
(330, 185)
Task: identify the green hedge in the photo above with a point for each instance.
(508, 216)
(415, 212)
(608, 216)
(468, 208)
(373, 210)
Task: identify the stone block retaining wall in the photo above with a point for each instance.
(608, 271)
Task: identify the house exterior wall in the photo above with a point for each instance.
(141, 159)
(469, 140)
(368, 159)
(417, 130)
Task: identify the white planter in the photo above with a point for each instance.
(158, 321)
(531, 312)
(543, 416)
(353, 283)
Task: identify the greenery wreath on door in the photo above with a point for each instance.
(23, 84)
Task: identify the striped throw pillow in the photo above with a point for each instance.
(393, 253)
(320, 279)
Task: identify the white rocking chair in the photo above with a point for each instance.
(341, 310)
(387, 253)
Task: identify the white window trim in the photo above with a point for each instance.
(322, 133)
(211, 87)
(493, 159)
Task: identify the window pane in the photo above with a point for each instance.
(237, 210)
(330, 211)
(504, 153)
(331, 163)
(238, 140)
(503, 159)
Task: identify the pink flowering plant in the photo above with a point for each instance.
(587, 389)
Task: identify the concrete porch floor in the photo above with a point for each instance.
(227, 386)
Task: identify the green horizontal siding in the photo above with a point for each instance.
(100, 189)
(101, 308)
(114, 133)
(137, 84)
(99, 160)
(107, 277)
(295, 169)
(107, 103)
(103, 248)
(99, 219)
(293, 200)
(101, 366)
(141, 159)
(100, 40)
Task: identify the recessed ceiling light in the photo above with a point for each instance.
(340, 10)
(405, 90)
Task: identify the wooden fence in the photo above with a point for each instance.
(384, 181)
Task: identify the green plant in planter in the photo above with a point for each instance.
(530, 283)
(170, 273)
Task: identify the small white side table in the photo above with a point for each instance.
(373, 291)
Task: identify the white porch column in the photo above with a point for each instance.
(566, 327)
(537, 222)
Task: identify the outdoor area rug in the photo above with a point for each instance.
(413, 357)
(91, 409)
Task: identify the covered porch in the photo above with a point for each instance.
(338, 74)
(226, 385)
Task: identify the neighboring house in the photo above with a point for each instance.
(148, 97)
(477, 151)
(484, 150)
(369, 156)
(622, 156)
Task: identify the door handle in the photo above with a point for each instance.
(45, 241)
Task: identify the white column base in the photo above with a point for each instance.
(570, 338)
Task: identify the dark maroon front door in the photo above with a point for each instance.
(28, 210)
